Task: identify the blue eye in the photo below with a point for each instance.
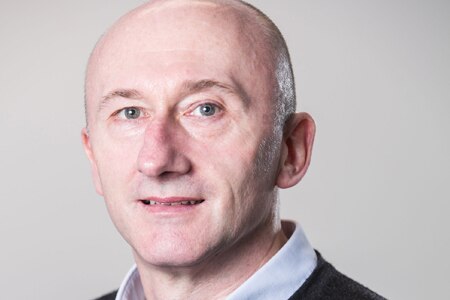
(131, 113)
(205, 110)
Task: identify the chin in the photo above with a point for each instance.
(171, 252)
(176, 259)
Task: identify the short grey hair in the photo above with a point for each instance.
(285, 94)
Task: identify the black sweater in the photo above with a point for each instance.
(325, 283)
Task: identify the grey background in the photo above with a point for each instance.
(374, 74)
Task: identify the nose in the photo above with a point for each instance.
(160, 155)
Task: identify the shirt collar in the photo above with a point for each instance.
(279, 278)
(131, 287)
(284, 273)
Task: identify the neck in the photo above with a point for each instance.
(216, 277)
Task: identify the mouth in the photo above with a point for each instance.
(171, 203)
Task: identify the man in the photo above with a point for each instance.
(191, 128)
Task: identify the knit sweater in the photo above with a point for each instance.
(325, 283)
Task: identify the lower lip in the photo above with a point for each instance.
(169, 209)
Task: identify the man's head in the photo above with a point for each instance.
(191, 128)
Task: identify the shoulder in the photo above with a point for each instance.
(327, 283)
(110, 296)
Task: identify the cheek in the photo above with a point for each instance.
(231, 167)
(116, 161)
(237, 157)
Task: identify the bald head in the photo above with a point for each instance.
(237, 23)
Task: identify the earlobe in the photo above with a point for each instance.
(85, 138)
(296, 149)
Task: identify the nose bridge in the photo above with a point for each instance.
(159, 153)
(157, 133)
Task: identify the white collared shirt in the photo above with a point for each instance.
(279, 278)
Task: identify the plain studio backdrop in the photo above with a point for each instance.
(375, 75)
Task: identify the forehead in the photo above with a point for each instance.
(178, 39)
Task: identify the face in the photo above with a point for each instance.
(180, 136)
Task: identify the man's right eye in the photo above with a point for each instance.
(129, 113)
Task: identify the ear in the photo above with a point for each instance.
(296, 149)
(85, 138)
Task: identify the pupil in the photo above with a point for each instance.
(208, 110)
(132, 113)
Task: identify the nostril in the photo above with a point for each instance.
(167, 175)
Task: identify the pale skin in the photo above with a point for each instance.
(178, 106)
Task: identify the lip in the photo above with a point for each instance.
(170, 204)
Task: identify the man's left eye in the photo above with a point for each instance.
(205, 110)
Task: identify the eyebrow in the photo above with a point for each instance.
(123, 93)
(191, 87)
(132, 94)
(188, 87)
